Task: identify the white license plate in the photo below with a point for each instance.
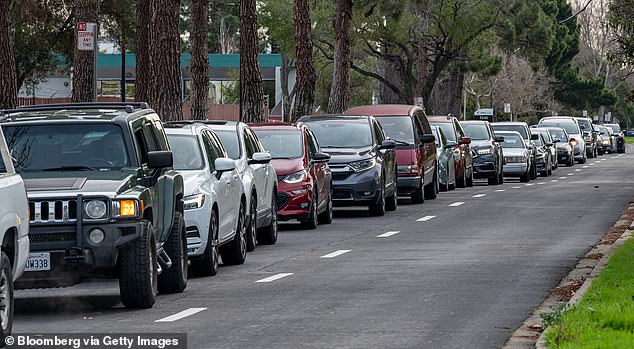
(38, 262)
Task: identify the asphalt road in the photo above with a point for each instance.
(465, 276)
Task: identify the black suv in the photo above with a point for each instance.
(363, 160)
(104, 200)
(488, 158)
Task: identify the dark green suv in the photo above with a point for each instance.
(104, 200)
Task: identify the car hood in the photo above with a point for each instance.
(481, 144)
(193, 180)
(515, 151)
(347, 155)
(285, 167)
(109, 183)
(563, 145)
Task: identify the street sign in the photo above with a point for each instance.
(86, 33)
(484, 114)
(507, 108)
(585, 113)
(418, 101)
(608, 116)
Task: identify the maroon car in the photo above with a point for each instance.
(456, 138)
(407, 125)
(304, 178)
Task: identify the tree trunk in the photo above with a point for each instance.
(340, 89)
(8, 74)
(251, 87)
(457, 85)
(165, 74)
(287, 96)
(391, 72)
(142, 82)
(199, 60)
(306, 76)
(84, 69)
(423, 53)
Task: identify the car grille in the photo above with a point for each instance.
(57, 211)
(43, 238)
(192, 232)
(340, 194)
(282, 200)
(514, 159)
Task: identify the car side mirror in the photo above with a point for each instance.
(387, 144)
(321, 157)
(534, 137)
(224, 165)
(428, 139)
(260, 158)
(465, 140)
(549, 144)
(556, 140)
(160, 159)
(498, 139)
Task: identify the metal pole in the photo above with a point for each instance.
(95, 50)
(123, 57)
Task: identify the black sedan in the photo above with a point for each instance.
(488, 158)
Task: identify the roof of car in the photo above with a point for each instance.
(557, 118)
(474, 122)
(439, 118)
(86, 112)
(383, 110)
(509, 123)
(333, 117)
(508, 132)
(274, 126)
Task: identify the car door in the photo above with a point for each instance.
(428, 151)
(260, 171)
(465, 149)
(317, 169)
(388, 156)
(222, 186)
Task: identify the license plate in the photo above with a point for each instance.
(38, 262)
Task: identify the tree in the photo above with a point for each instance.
(8, 78)
(251, 88)
(340, 89)
(199, 60)
(84, 69)
(306, 76)
(143, 64)
(165, 78)
(622, 20)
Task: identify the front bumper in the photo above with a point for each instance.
(197, 225)
(294, 201)
(563, 156)
(515, 169)
(484, 166)
(356, 188)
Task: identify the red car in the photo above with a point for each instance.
(304, 178)
(407, 125)
(452, 129)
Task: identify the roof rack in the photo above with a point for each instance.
(128, 107)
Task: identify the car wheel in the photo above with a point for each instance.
(495, 180)
(207, 264)
(431, 190)
(327, 216)
(470, 178)
(311, 221)
(418, 196)
(138, 271)
(462, 182)
(526, 177)
(251, 229)
(235, 253)
(378, 209)
(533, 171)
(6, 297)
(268, 234)
(174, 278)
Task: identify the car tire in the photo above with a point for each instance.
(207, 264)
(418, 196)
(268, 234)
(462, 183)
(311, 221)
(495, 180)
(326, 217)
(174, 278)
(377, 209)
(6, 294)
(138, 271)
(252, 228)
(431, 190)
(235, 252)
(470, 182)
(526, 177)
(391, 202)
(533, 171)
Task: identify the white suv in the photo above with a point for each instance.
(14, 234)
(258, 177)
(214, 203)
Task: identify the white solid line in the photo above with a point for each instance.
(275, 277)
(335, 254)
(480, 195)
(426, 218)
(456, 204)
(182, 314)
(388, 234)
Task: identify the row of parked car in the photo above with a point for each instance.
(107, 190)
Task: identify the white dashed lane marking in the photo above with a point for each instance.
(426, 218)
(335, 254)
(500, 190)
(275, 277)
(388, 234)
(480, 195)
(182, 314)
(578, 170)
(585, 166)
(516, 187)
(555, 180)
(530, 184)
(456, 204)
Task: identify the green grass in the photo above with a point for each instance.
(604, 318)
(629, 140)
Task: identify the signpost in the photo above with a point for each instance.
(87, 41)
(585, 113)
(507, 110)
(484, 114)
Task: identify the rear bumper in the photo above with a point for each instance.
(515, 169)
(407, 185)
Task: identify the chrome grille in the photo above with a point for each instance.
(53, 211)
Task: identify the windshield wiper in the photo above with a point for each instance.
(401, 142)
(69, 168)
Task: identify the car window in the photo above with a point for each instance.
(398, 128)
(342, 133)
(3, 167)
(379, 136)
(217, 144)
(448, 130)
(615, 128)
(568, 125)
(187, 152)
(249, 145)
(282, 144)
(517, 128)
(142, 144)
(585, 124)
(313, 148)
(211, 150)
(477, 132)
(159, 135)
(230, 142)
(422, 118)
(512, 141)
(458, 128)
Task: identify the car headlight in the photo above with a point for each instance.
(484, 151)
(194, 201)
(96, 209)
(605, 141)
(363, 165)
(296, 177)
(573, 143)
(409, 169)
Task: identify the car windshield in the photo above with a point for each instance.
(66, 147)
(538, 141)
(559, 134)
(342, 133)
(229, 139)
(585, 124)
(447, 130)
(512, 141)
(187, 154)
(477, 132)
(281, 144)
(569, 126)
(517, 128)
(398, 128)
(615, 128)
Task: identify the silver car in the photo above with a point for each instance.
(565, 151)
(517, 155)
(551, 144)
(446, 159)
(571, 125)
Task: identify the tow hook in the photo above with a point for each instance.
(75, 254)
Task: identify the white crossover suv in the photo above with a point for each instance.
(258, 178)
(14, 234)
(215, 204)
